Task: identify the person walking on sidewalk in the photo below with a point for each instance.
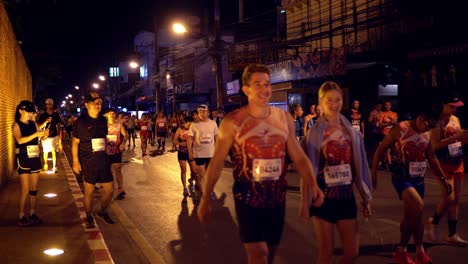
(201, 142)
(259, 136)
(161, 131)
(51, 119)
(448, 139)
(26, 133)
(115, 144)
(90, 159)
(338, 158)
(143, 124)
(410, 147)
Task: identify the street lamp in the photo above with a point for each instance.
(102, 78)
(95, 85)
(179, 28)
(133, 65)
(77, 87)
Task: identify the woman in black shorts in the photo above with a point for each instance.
(180, 138)
(26, 134)
(339, 159)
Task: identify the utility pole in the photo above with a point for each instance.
(157, 84)
(217, 56)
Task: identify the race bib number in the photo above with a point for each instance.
(357, 127)
(206, 139)
(338, 175)
(455, 149)
(161, 124)
(174, 124)
(32, 151)
(266, 169)
(98, 144)
(144, 128)
(111, 138)
(417, 169)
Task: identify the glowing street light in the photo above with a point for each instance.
(179, 28)
(77, 87)
(66, 97)
(70, 96)
(102, 78)
(133, 65)
(95, 85)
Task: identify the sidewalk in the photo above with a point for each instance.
(61, 228)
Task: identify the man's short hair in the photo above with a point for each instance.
(251, 69)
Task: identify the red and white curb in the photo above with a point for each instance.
(95, 240)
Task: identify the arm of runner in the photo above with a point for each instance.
(176, 137)
(21, 140)
(392, 136)
(123, 131)
(438, 143)
(213, 173)
(303, 164)
(304, 126)
(435, 165)
(76, 160)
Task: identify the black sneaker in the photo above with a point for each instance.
(120, 196)
(23, 221)
(106, 217)
(90, 222)
(33, 219)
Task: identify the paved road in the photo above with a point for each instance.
(155, 218)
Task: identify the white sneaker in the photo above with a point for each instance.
(456, 240)
(431, 231)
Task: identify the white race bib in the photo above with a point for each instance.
(357, 127)
(111, 138)
(174, 124)
(455, 149)
(161, 124)
(338, 175)
(206, 139)
(266, 169)
(144, 128)
(417, 169)
(98, 144)
(32, 151)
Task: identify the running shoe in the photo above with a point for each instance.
(431, 231)
(23, 221)
(186, 192)
(106, 217)
(33, 219)
(121, 195)
(402, 257)
(90, 222)
(456, 240)
(192, 187)
(423, 258)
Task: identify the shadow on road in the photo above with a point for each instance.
(214, 242)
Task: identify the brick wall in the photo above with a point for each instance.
(15, 85)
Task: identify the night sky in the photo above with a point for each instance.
(69, 42)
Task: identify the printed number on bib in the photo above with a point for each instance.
(455, 149)
(266, 169)
(206, 139)
(33, 151)
(98, 144)
(174, 124)
(358, 128)
(417, 169)
(144, 128)
(111, 138)
(338, 175)
(161, 125)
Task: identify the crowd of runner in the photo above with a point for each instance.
(332, 149)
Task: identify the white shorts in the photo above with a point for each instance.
(50, 144)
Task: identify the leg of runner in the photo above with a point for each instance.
(325, 233)
(257, 252)
(24, 181)
(183, 176)
(348, 230)
(45, 155)
(117, 173)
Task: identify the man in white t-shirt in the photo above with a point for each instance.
(201, 141)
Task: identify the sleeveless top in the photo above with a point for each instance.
(259, 150)
(334, 175)
(144, 126)
(183, 138)
(161, 124)
(174, 123)
(29, 149)
(409, 152)
(452, 154)
(113, 139)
